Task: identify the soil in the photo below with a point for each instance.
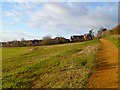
(106, 74)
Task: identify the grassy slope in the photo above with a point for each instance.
(114, 39)
(66, 65)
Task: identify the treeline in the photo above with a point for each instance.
(47, 40)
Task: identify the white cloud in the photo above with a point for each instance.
(58, 17)
(65, 18)
(12, 13)
(54, 8)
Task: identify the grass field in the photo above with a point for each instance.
(54, 66)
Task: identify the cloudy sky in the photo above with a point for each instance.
(33, 20)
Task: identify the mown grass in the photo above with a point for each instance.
(114, 39)
(54, 66)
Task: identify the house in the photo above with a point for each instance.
(77, 38)
(60, 40)
(101, 32)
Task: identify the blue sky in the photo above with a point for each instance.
(33, 20)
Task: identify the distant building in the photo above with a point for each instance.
(61, 40)
(77, 38)
(101, 32)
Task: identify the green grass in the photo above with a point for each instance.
(114, 39)
(54, 66)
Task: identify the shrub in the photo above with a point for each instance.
(47, 40)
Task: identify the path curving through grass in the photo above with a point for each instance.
(106, 74)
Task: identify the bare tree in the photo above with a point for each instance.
(22, 39)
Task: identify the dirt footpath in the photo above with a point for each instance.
(106, 75)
